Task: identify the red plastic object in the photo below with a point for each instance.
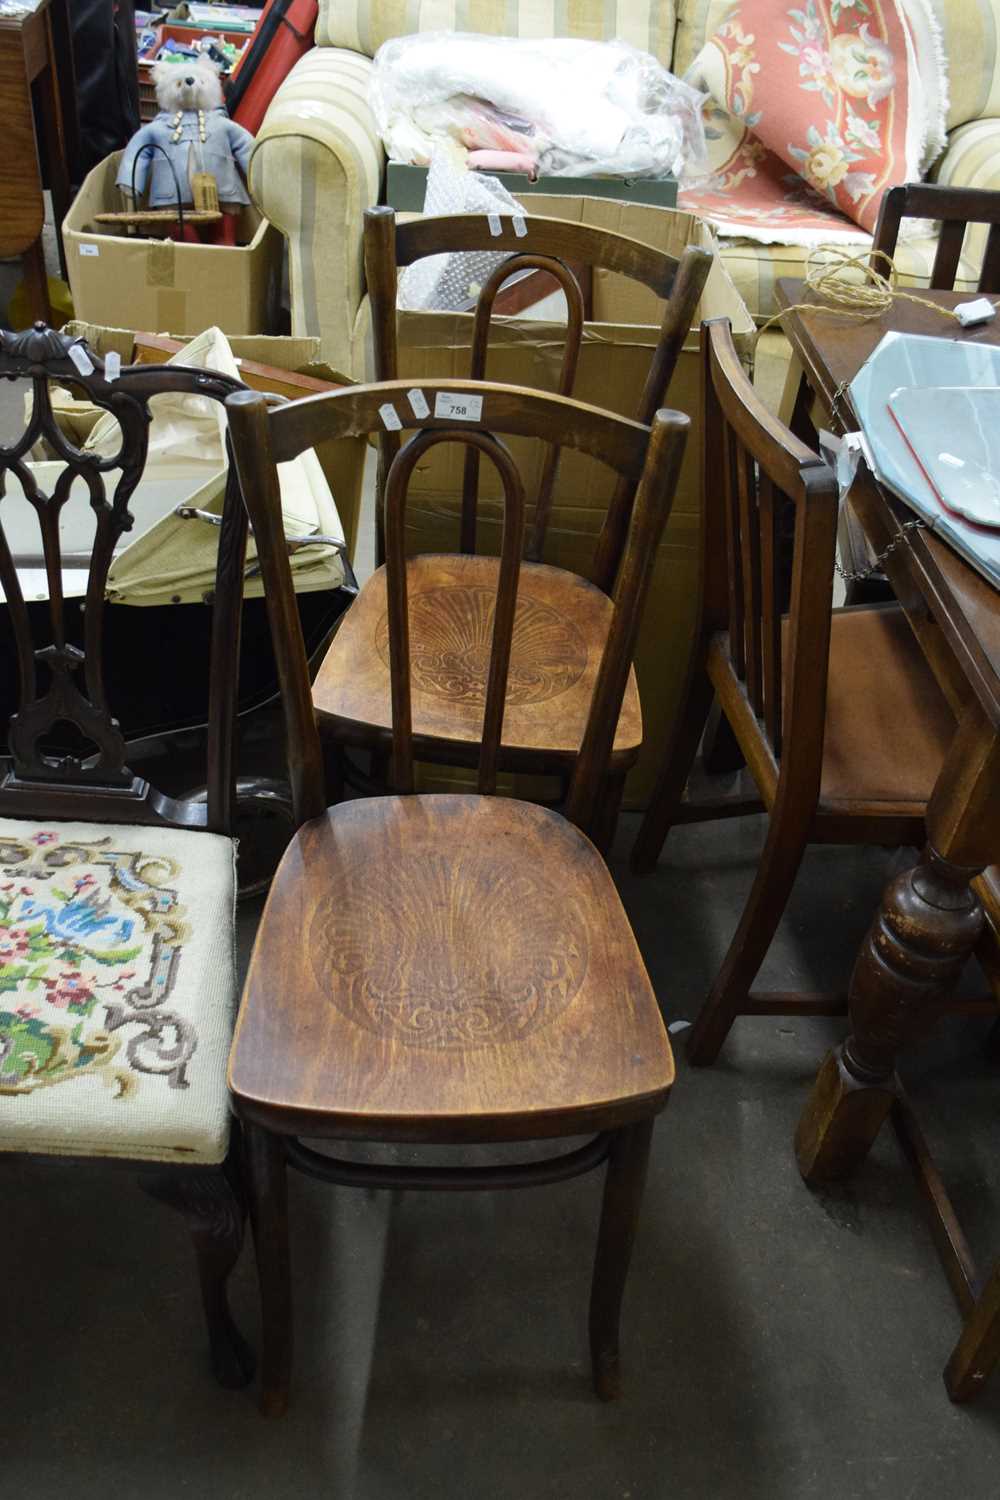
(283, 34)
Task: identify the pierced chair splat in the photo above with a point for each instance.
(116, 901)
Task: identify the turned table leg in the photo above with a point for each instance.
(925, 930)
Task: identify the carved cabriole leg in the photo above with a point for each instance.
(623, 1187)
(211, 1200)
(928, 924)
(268, 1191)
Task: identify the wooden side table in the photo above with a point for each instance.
(38, 88)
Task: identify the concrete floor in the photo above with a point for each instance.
(779, 1343)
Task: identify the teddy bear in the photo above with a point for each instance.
(192, 134)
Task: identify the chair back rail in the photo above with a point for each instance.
(955, 208)
(649, 457)
(559, 247)
(767, 479)
(61, 680)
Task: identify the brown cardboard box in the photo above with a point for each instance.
(161, 285)
(614, 359)
(343, 459)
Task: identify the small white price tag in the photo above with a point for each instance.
(90, 249)
(493, 220)
(112, 366)
(520, 227)
(389, 417)
(418, 403)
(979, 311)
(464, 408)
(81, 359)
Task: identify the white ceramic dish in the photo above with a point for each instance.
(924, 363)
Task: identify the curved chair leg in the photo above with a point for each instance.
(212, 1203)
(776, 872)
(623, 1185)
(268, 1190)
(673, 776)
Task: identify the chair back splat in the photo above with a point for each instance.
(647, 458)
(954, 209)
(569, 253)
(770, 508)
(67, 755)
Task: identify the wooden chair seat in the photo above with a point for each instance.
(888, 724)
(446, 968)
(560, 630)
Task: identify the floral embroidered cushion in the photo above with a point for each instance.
(117, 990)
(818, 107)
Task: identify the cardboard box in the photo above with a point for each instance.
(166, 286)
(614, 359)
(262, 362)
(405, 187)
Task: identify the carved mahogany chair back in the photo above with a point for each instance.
(560, 248)
(647, 457)
(61, 680)
(955, 209)
(767, 482)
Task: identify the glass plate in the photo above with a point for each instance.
(954, 434)
(924, 363)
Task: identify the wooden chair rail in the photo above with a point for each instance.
(560, 239)
(508, 409)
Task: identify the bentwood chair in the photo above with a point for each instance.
(839, 719)
(562, 620)
(437, 969)
(117, 965)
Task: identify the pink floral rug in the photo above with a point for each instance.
(814, 110)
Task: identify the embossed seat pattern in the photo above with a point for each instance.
(467, 956)
(560, 628)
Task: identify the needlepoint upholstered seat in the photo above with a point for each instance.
(117, 990)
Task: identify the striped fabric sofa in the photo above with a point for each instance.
(318, 163)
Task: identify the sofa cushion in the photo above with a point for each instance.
(697, 20)
(363, 25)
(971, 42)
(117, 990)
(834, 91)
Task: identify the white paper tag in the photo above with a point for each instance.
(112, 366)
(389, 417)
(90, 249)
(418, 403)
(520, 227)
(979, 311)
(493, 220)
(81, 359)
(464, 408)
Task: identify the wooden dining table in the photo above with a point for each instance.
(930, 918)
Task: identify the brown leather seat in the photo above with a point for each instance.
(888, 724)
(560, 630)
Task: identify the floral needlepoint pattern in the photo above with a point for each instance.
(826, 88)
(91, 938)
